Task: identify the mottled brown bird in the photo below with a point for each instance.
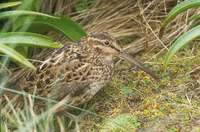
(75, 72)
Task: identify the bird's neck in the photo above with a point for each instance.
(108, 59)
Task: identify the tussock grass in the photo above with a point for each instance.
(172, 104)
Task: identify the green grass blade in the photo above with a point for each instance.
(15, 55)
(195, 17)
(194, 21)
(63, 24)
(10, 14)
(181, 41)
(28, 39)
(183, 6)
(9, 4)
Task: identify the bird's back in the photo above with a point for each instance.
(68, 71)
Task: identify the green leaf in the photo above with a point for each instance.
(62, 24)
(181, 41)
(15, 55)
(183, 6)
(9, 4)
(10, 14)
(65, 25)
(28, 39)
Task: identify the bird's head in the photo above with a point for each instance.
(104, 43)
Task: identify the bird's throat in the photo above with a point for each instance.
(108, 59)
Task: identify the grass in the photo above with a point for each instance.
(132, 99)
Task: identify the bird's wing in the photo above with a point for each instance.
(62, 72)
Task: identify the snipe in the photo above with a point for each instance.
(75, 72)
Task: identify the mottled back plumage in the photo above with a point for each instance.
(78, 70)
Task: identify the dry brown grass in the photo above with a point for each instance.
(139, 20)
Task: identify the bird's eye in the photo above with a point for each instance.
(106, 43)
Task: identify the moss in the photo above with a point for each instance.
(121, 123)
(160, 106)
